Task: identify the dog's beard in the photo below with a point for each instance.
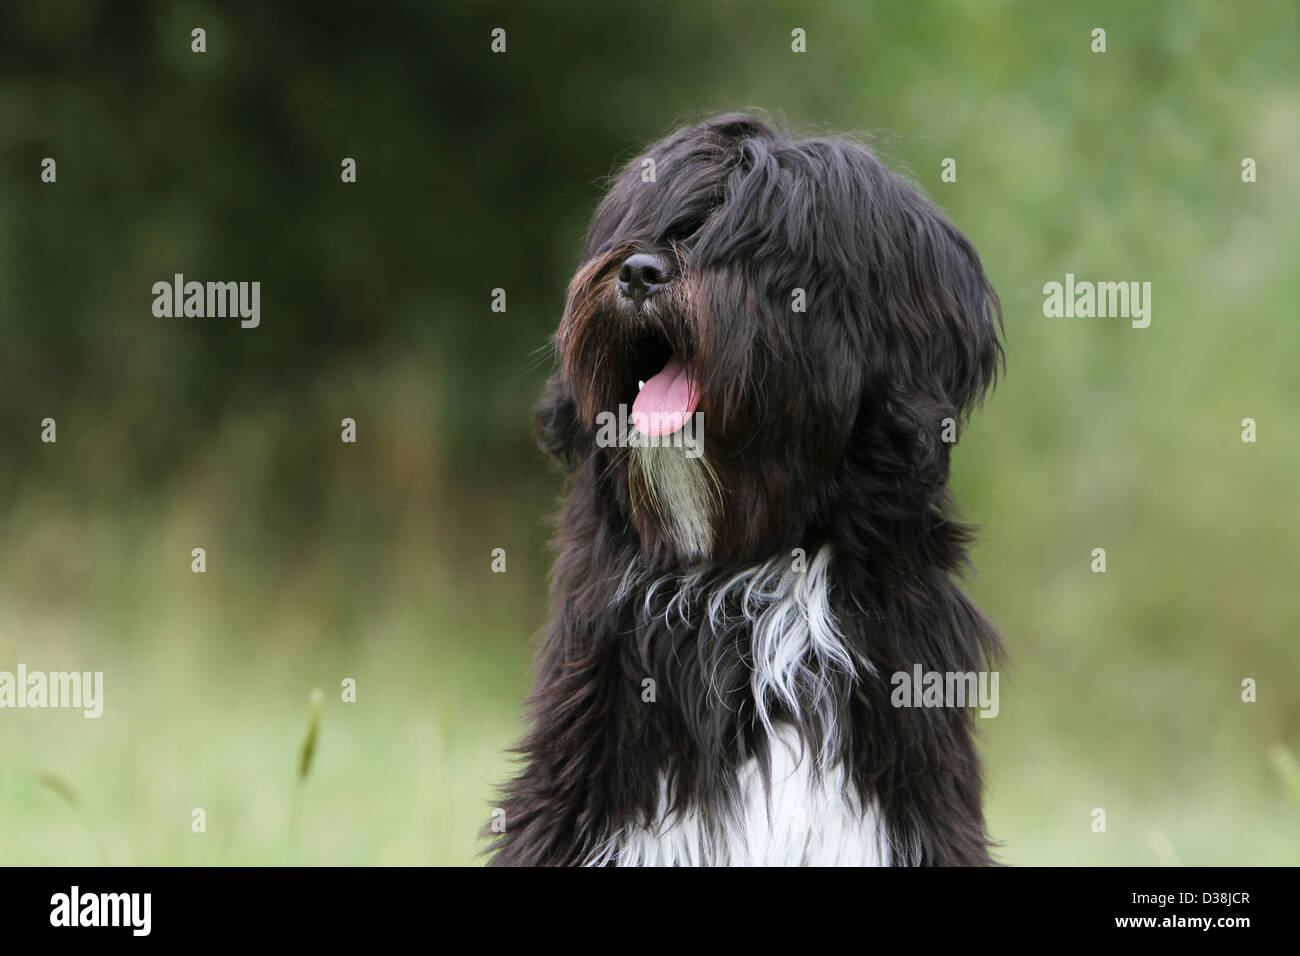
(678, 494)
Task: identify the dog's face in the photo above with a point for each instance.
(802, 320)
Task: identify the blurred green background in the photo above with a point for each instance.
(478, 171)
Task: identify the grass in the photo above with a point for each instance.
(405, 775)
(402, 776)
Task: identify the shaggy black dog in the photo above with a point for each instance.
(798, 333)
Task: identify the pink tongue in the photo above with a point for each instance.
(666, 401)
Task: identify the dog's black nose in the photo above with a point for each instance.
(642, 275)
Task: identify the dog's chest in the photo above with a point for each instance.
(799, 663)
(803, 819)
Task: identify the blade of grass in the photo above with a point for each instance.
(64, 791)
(306, 755)
(1284, 762)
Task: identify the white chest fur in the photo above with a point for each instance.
(804, 819)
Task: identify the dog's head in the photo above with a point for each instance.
(792, 330)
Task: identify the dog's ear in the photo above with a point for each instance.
(953, 313)
(559, 432)
(939, 351)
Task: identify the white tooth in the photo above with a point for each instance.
(640, 385)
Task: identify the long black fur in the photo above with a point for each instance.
(824, 428)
